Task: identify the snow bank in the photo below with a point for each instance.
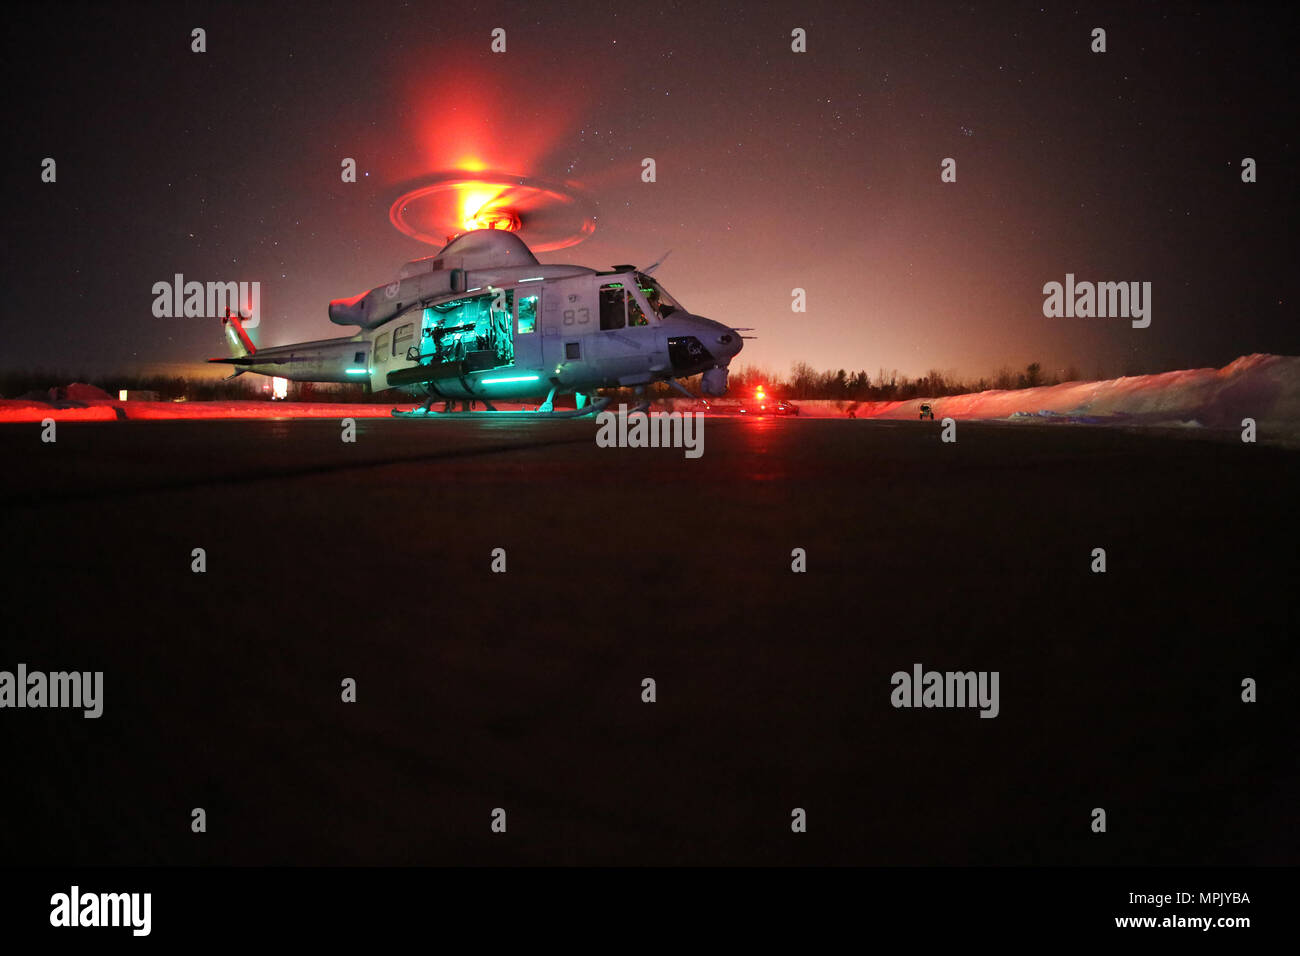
(1263, 387)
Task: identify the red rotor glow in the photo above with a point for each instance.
(548, 215)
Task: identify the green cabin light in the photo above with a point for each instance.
(513, 378)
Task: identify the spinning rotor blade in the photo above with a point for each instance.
(651, 269)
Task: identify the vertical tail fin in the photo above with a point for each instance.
(240, 344)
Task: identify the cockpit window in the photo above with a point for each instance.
(612, 314)
(527, 314)
(658, 299)
(635, 314)
(621, 304)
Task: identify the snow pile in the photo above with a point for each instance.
(80, 392)
(1263, 387)
(74, 394)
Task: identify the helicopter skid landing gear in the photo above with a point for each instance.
(682, 388)
(642, 404)
(591, 407)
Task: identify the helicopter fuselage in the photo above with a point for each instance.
(508, 332)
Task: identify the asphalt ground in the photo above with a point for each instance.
(523, 690)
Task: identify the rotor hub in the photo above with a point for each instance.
(548, 215)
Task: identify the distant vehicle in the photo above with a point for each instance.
(768, 407)
(926, 411)
(764, 404)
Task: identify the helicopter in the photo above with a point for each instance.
(482, 321)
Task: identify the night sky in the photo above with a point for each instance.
(775, 170)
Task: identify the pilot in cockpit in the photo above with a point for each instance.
(634, 314)
(651, 294)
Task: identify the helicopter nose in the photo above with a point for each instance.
(724, 342)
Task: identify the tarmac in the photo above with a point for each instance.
(523, 691)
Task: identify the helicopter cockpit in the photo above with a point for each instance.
(632, 304)
(660, 302)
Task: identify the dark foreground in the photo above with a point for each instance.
(523, 690)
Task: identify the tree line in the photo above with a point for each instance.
(803, 382)
(806, 382)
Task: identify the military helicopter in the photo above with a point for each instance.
(482, 320)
